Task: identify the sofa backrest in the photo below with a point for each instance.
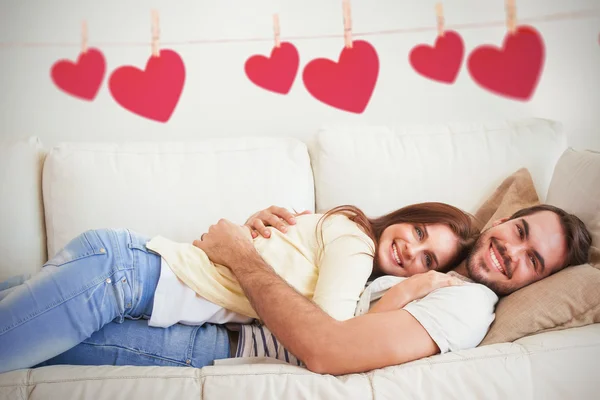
(175, 189)
(22, 234)
(380, 169)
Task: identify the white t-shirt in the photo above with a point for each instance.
(455, 317)
(175, 302)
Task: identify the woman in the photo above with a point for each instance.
(109, 275)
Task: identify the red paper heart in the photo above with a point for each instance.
(513, 70)
(347, 84)
(275, 73)
(82, 78)
(154, 92)
(442, 61)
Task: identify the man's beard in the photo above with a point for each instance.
(478, 269)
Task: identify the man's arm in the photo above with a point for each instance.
(322, 343)
(325, 345)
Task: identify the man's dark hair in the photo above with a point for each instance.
(576, 233)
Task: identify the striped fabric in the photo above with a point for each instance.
(257, 341)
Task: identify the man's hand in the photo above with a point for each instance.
(226, 243)
(273, 216)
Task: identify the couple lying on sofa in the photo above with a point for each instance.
(115, 297)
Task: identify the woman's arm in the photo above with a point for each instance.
(413, 288)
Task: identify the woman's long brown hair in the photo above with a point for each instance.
(461, 224)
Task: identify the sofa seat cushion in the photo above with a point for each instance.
(554, 365)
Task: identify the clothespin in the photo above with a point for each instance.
(347, 23)
(155, 34)
(84, 37)
(439, 12)
(511, 16)
(276, 30)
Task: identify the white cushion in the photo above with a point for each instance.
(22, 237)
(175, 189)
(380, 169)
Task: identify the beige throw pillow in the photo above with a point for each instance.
(566, 299)
(515, 193)
(575, 187)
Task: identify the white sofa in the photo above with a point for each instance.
(130, 184)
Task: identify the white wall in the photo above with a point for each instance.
(218, 99)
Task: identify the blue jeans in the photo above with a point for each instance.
(88, 307)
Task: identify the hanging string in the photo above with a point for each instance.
(582, 14)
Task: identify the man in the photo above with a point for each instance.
(515, 252)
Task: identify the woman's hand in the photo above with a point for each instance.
(273, 216)
(413, 288)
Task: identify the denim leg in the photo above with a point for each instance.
(14, 281)
(133, 342)
(11, 283)
(100, 276)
